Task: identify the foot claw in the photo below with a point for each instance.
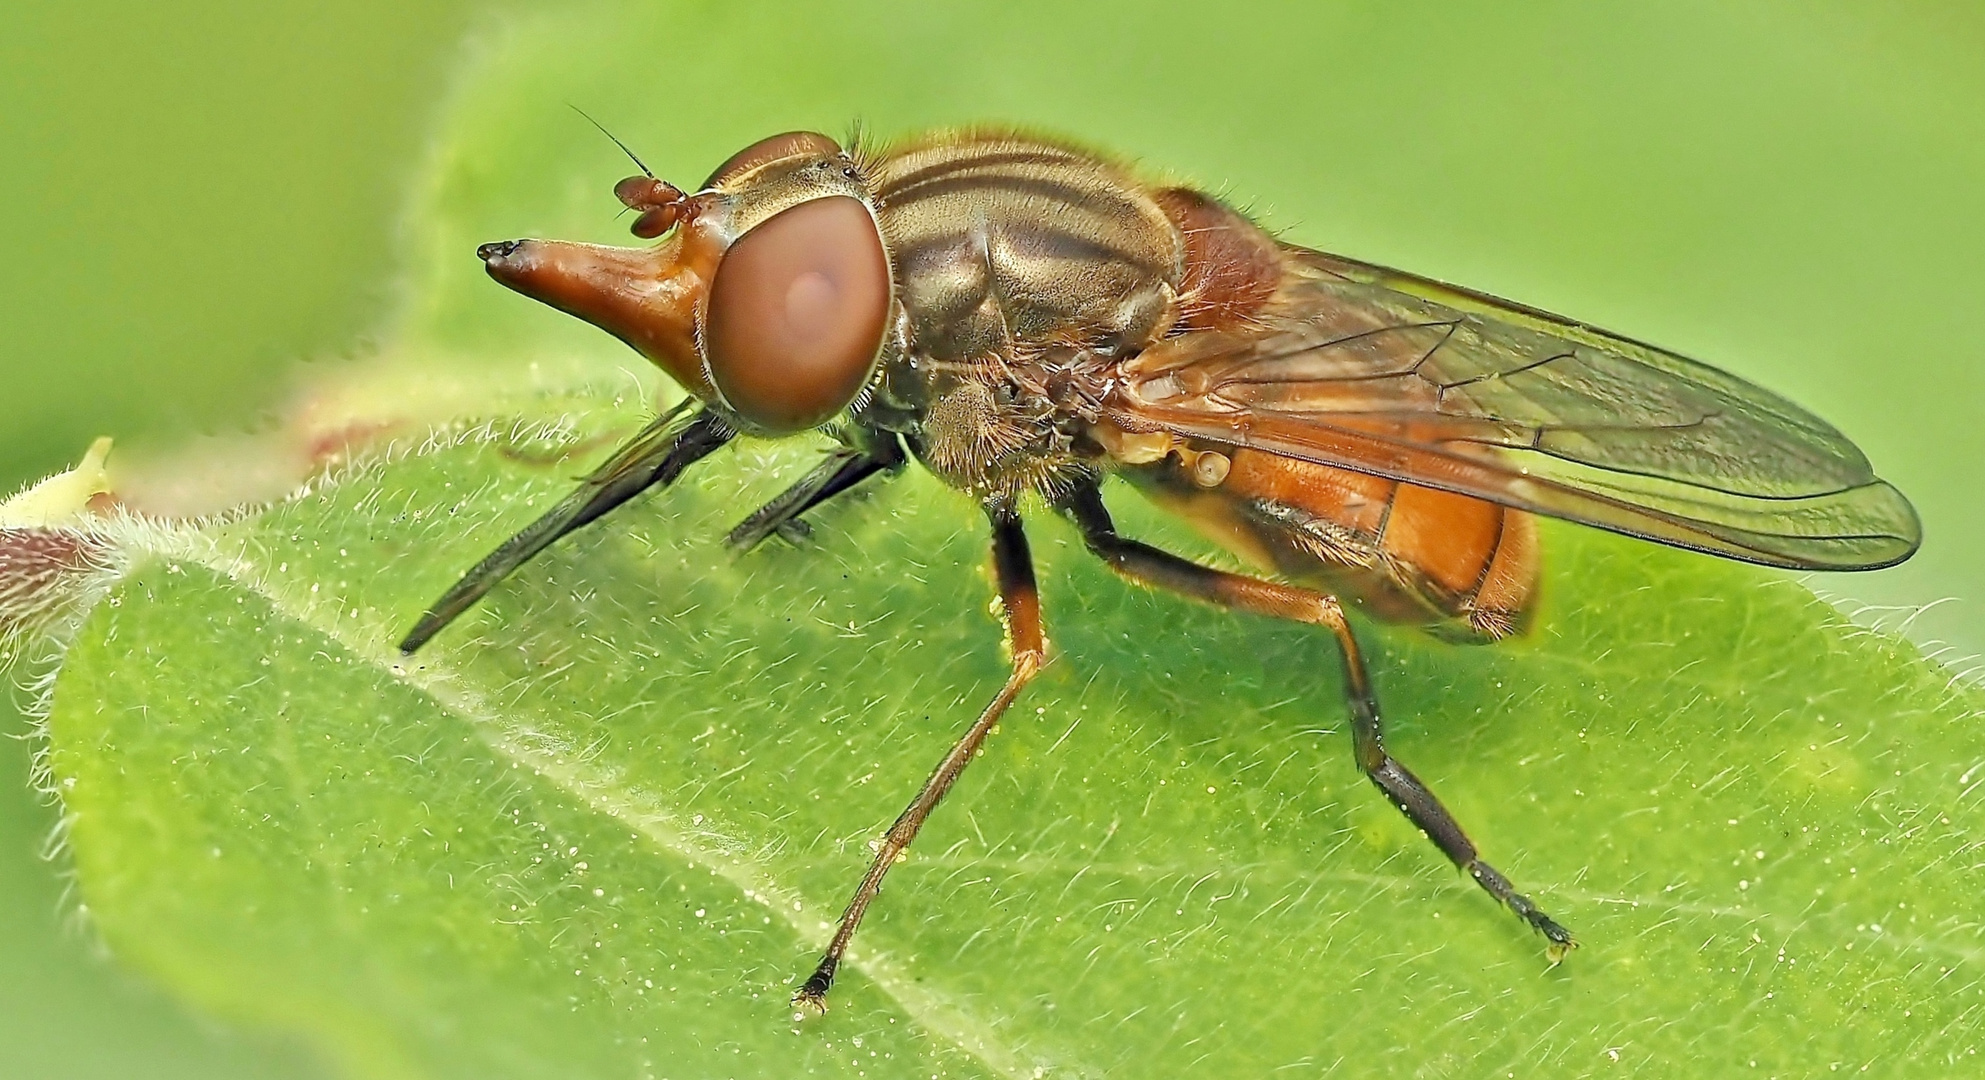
(1559, 940)
(811, 998)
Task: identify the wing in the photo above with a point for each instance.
(1370, 369)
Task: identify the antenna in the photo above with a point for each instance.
(623, 146)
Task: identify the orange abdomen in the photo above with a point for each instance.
(1404, 553)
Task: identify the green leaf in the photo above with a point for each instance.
(603, 826)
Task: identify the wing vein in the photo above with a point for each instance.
(1524, 408)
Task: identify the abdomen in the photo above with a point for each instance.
(1458, 565)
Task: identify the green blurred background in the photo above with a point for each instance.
(200, 196)
(196, 195)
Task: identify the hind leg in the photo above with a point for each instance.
(1147, 565)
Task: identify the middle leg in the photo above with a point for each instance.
(1020, 602)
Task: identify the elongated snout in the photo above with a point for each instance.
(646, 297)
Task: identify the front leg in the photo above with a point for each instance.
(1020, 600)
(653, 458)
(868, 454)
(1149, 566)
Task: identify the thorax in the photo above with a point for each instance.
(1023, 271)
(1000, 242)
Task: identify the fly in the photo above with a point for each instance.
(1026, 318)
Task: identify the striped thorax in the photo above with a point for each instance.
(1020, 265)
(1003, 243)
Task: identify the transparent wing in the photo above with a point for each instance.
(1371, 369)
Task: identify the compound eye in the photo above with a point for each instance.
(772, 148)
(796, 315)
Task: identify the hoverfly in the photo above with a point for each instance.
(1025, 318)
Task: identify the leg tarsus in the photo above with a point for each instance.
(811, 999)
(1558, 939)
(1417, 802)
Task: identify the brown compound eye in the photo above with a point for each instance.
(796, 315)
(772, 148)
